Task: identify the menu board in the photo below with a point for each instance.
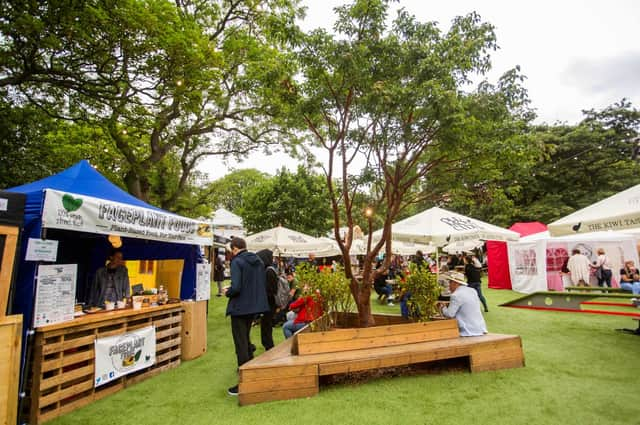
(55, 294)
(203, 281)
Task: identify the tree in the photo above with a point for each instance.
(392, 97)
(161, 79)
(298, 201)
(229, 191)
(582, 164)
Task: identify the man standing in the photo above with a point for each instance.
(464, 306)
(579, 269)
(247, 298)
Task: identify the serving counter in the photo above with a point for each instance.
(62, 376)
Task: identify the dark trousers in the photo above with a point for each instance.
(266, 329)
(605, 280)
(240, 329)
(478, 287)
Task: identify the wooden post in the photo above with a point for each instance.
(6, 268)
(10, 346)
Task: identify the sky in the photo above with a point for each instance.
(576, 55)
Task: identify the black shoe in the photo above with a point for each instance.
(233, 390)
(218, 295)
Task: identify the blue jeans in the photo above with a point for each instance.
(634, 287)
(478, 287)
(289, 328)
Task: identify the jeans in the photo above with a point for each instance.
(478, 287)
(634, 287)
(289, 328)
(240, 329)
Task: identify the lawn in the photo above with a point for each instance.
(579, 370)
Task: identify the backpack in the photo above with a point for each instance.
(282, 295)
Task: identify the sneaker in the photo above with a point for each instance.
(390, 304)
(233, 390)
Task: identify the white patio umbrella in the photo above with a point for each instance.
(286, 242)
(462, 246)
(441, 227)
(618, 212)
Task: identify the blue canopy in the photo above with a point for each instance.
(89, 251)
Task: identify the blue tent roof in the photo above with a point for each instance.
(81, 179)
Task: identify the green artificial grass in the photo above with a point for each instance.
(579, 370)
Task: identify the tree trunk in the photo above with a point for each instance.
(362, 295)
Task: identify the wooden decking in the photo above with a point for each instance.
(280, 374)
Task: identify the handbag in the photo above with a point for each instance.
(599, 273)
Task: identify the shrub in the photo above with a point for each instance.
(425, 290)
(333, 287)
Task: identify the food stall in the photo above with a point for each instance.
(75, 355)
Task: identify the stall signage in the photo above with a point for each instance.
(70, 211)
(203, 281)
(120, 355)
(41, 250)
(55, 294)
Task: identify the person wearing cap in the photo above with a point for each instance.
(464, 306)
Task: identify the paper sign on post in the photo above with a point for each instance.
(55, 294)
(203, 282)
(42, 250)
(4, 204)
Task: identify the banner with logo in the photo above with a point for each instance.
(69, 211)
(120, 355)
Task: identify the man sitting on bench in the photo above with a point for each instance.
(630, 278)
(464, 306)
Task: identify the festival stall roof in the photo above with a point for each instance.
(498, 272)
(287, 242)
(224, 217)
(81, 200)
(618, 212)
(441, 227)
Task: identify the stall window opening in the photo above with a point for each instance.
(146, 266)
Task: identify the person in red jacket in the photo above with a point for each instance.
(308, 308)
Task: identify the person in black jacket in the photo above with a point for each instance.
(266, 321)
(472, 274)
(247, 298)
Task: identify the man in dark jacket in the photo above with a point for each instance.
(247, 298)
(266, 322)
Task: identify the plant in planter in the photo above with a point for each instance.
(333, 286)
(422, 291)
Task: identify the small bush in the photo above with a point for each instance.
(424, 290)
(333, 287)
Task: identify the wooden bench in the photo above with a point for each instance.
(292, 368)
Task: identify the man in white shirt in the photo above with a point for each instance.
(464, 305)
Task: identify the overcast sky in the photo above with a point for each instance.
(575, 54)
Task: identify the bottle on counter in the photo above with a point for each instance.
(162, 295)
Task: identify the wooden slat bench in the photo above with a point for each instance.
(292, 368)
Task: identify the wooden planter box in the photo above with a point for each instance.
(292, 369)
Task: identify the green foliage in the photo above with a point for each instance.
(229, 191)
(333, 286)
(161, 80)
(298, 201)
(425, 290)
(582, 164)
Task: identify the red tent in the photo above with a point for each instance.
(498, 259)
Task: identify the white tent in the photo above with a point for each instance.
(535, 261)
(441, 227)
(618, 212)
(359, 247)
(286, 242)
(227, 224)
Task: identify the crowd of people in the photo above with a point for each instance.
(577, 270)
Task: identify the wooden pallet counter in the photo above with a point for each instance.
(63, 360)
